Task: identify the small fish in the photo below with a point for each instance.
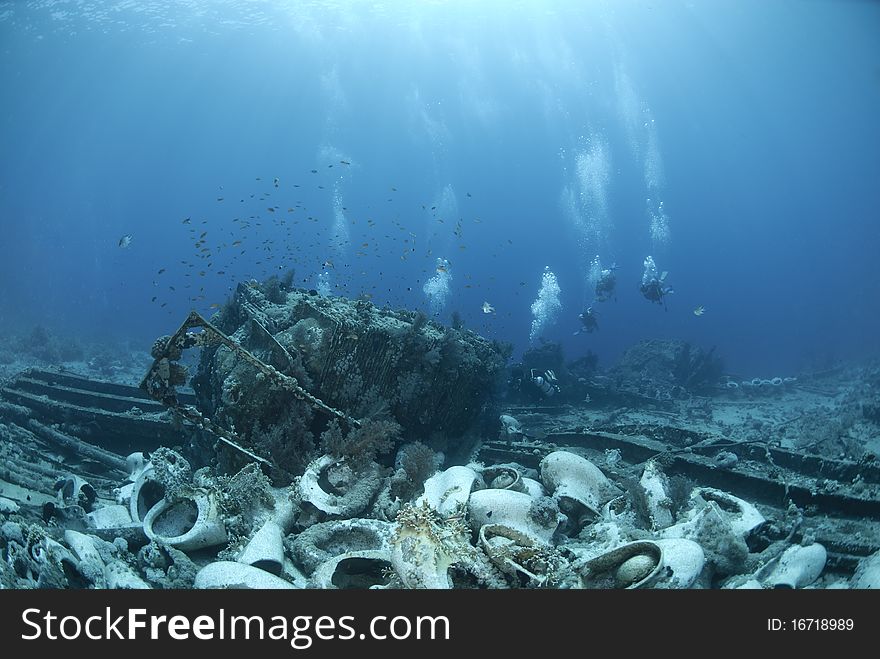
(276, 181)
(186, 220)
(442, 268)
(344, 162)
(161, 270)
(327, 264)
(488, 308)
(700, 310)
(125, 241)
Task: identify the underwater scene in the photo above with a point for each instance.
(463, 294)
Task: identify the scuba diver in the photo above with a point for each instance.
(545, 382)
(590, 321)
(606, 284)
(654, 288)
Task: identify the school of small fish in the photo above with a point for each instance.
(253, 236)
(274, 229)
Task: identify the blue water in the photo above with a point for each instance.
(544, 128)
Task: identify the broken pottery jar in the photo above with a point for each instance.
(425, 547)
(742, 516)
(533, 488)
(187, 522)
(646, 564)
(503, 477)
(333, 488)
(146, 493)
(516, 554)
(366, 568)
(75, 491)
(90, 565)
(579, 487)
(135, 463)
(421, 559)
(47, 556)
(726, 550)
(326, 540)
(448, 491)
(514, 510)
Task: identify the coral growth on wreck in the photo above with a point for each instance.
(404, 375)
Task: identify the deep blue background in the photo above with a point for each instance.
(125, 118)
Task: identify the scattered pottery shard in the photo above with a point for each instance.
(310, 488)
(510, 426)
(533, 488)
(868, 573)
(118, 575)
(109, 517)
(135, 463)
(798, 567)
(228, 574)
(266, 549)
(47, 553)
(90, 562)
(654, 484)
(683, 561)
(8, 506)
(83, 546)
(751, 584)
